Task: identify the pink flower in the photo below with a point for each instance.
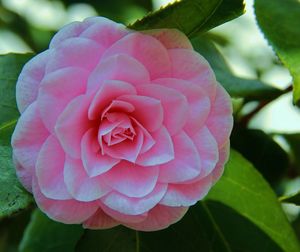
(119, 127)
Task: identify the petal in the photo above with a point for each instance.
(28, 138)
(170, 38)
(147, 50)
(174, 104)
(160, 217)
(132, 180)
(29, 80)
(161, 152)
(118, 67)
(24, 175)
(65, 211)
(198, 100)
(57, 90)
(220, 120)
(72, 30)
(134, 206)
(191, 66)
(127, 149)
(186, 194)
(49, 170)
(75, 52)
(148, 111)
(100, 220)
(72, 123)
(110, 90)
(105, 32)
(208, 150)
(185, 165)
(80, 185)
(224, 156)
(125, 218)
(93, 161)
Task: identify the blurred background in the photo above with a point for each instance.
(28, 25)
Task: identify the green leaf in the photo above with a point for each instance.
(237, 87)
(280, 22)
(191, 16)
(294, 199)
(262, 151)
(294, 143)
(13, 196)
(43, 234)
(241, 213)
(10, 68)
(243, 189)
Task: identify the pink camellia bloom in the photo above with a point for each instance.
(119, 127)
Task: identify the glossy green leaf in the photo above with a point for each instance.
(262, 151)
(243, 189)
(13, 196)
(191, 16)
(10, 67)
(237, 87)
(279, 20)
(241, 213)
(43, 234)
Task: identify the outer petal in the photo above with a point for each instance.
(105, 32)
(73, 30)
(110, 90)
(57, 90)
(27, 140)
(118, 67)
(186, 194)
(189, 65)
(224, 155)
(146, 49)
(80, 186)
(100, 220)
(66, 211)
(24, 175)
(132, 180)
(148, 111)
(49, 170)
(198, 100)
(185, 165)
(174, 104)
(75, 52)
(161, 152)
(208, 150)
(170, 38)
(125, 218)
(93, 161)
(29, 80)
(134, 206)
(72, 124)
(220, 120)
(158, 218)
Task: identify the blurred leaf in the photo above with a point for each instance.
(265, 154)
(294, 199)
(280, 22)
(235, 86)
(118, 239)
(294, 143)
(11, 231)
(13, 197)
(43, 234)
(237, 215)
(10, 68)
(191, 16)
